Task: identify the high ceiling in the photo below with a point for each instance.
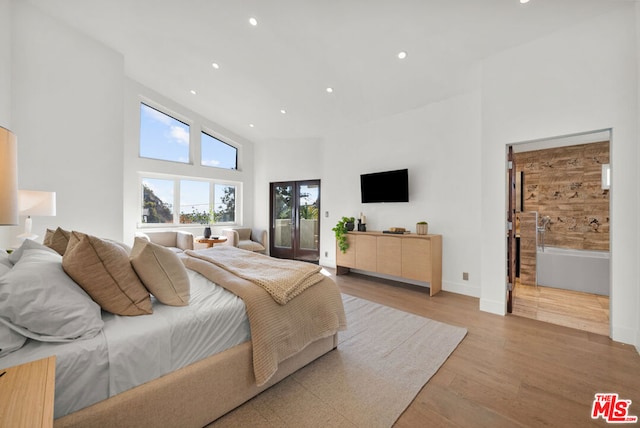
(301, 47)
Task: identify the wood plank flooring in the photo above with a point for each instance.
(509, 371)
(584, 311)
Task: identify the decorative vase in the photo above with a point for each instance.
(422, 228)
(350, 226)
(207, 232)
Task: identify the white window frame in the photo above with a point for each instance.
(224, 140)
(176, 200)
(174, 116)
(194, 170)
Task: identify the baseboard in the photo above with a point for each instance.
(492, 306)
(625, 335)
(461, 288)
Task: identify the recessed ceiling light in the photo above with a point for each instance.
(524, 1)
(253, 21)
(251, 125)
(283, 111)
(329, 89)
(193, 91)
(402, 55)
(215, 65)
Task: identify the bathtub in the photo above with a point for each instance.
(578, 270)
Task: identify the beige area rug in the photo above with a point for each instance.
(383, 360)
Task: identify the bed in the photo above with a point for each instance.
(180, 364)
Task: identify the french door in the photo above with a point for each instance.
(295, 220)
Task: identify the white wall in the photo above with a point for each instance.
(284, 160)
(637, 209)
(440, 146)
(66, 111)
(135, 166)
(6, 233)
(580, 79)
(5, 66)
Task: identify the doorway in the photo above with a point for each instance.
(295, 220)
(559, 205)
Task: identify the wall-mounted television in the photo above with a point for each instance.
(386, 186)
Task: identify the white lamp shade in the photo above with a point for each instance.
(8, 178)
(36, 203)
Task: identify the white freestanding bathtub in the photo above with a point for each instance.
(578, 270)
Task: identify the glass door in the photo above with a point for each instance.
(295, 220)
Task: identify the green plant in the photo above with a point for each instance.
(341, 232)
(422, 222)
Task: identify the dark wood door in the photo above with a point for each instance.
(511, 230)
(295, 220)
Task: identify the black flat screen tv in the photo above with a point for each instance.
(387, 186)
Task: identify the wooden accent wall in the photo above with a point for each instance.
(527, 229)
(564, 183)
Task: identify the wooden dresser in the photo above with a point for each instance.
(26, 394)
(409, 256)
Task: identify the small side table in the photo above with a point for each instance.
(26, 394)
(210, 242)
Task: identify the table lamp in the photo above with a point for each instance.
(35, 203)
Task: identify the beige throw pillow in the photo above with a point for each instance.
(161, 271)
(103, 270)
(57, 240)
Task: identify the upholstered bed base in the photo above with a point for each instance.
(192, 396)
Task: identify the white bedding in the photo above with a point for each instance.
(134, 350)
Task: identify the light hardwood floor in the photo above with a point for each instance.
(509, 371)
(584, 311)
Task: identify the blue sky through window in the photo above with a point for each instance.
(194, 195)
(163, 189)
(163, 137)
(217, 153)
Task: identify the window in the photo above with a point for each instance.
(184, 201)
(157, 197)
(163, 137)
(217, 153)
(225, 206)
(195, 206)
(191, 194)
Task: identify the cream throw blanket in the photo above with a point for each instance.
(283, 279)
(278, 331)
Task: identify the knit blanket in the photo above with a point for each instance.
(278, 331)
(282, 279)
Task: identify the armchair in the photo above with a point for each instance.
(175, 240)
(247, 238)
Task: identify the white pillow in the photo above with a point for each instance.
(5, 263)
(27, 244)
(10, 340)
(39, 300)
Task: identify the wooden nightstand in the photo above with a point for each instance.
(26, 394)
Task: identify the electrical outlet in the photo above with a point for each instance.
(465, 276)
(326, 254)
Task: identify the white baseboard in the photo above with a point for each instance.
(625, 335)
(461, 288)
(492, 306)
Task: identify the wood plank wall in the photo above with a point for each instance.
(527, 229)
(564, 183)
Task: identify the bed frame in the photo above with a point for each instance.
(193, 396)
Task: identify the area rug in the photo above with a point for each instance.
(383, 360)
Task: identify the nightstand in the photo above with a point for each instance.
(26, 394)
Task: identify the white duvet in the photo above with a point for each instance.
(134, 350)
